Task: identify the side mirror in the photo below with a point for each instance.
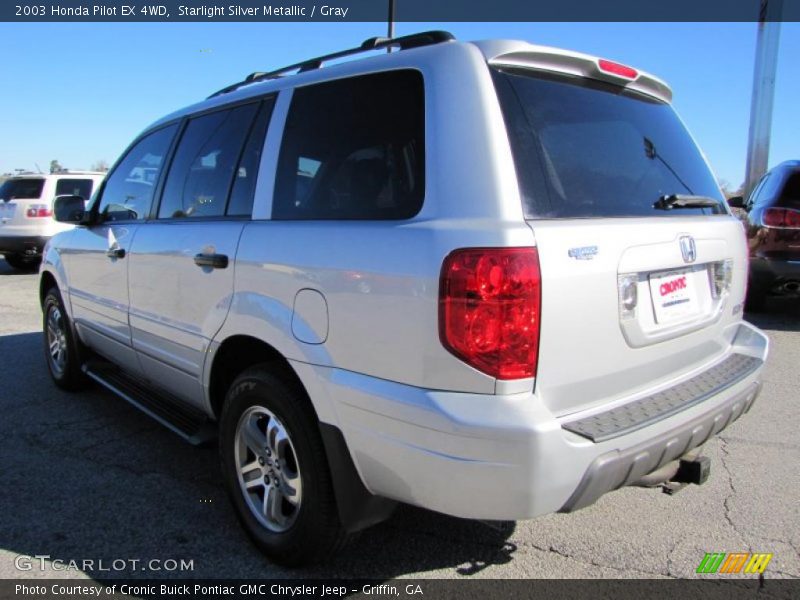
(69, 209)
(736, 202)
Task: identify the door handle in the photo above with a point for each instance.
(115, 252)
(215, 261)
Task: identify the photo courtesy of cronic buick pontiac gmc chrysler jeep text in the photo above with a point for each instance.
(491, 279)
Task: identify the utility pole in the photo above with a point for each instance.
(769, 31)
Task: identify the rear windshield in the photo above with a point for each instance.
(790, 197)
(74, 187)
(21, 188)
(583, 148)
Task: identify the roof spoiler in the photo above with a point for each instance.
(543, 58)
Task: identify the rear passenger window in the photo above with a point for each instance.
(74, 187)
(354, 149)
(128, 191)
(205, 163)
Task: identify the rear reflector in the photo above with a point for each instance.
(782, 218)
(490, 309)
(625, 71)
(39, 210)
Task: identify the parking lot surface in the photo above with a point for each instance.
(87, 477)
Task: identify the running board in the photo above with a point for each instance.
(171, 412)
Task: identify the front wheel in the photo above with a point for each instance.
(61, 349)
(276, 471)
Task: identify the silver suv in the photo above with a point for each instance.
(491, 279)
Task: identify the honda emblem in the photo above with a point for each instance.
(688, 249)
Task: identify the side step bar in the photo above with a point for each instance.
(171, 412)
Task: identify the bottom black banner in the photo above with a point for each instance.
(410, 589)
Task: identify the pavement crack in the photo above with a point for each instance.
(551, 549)
(727, 513)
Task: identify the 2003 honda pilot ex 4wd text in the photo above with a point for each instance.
(491, 279)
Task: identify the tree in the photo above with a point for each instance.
(100, 166)
(725, 186)
(55, 166)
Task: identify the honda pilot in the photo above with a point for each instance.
(492, 279)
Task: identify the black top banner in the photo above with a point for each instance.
(404, 10)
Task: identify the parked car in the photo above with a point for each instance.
(26, 212)
(772, 222)
(491, 279)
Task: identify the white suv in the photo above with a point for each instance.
(26, 212)
(491, 279)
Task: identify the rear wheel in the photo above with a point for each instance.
(23, 263)
(276, 471)
(62, 350)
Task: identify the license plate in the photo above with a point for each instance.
(6, 211)
(674, 295)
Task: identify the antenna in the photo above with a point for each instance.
(390, 29)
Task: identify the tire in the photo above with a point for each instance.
(62, 350)
(293, 519)
(23, 263)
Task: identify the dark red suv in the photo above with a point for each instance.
(772, 223)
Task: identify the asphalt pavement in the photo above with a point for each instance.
(87, 477)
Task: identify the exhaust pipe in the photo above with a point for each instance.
(791, 287)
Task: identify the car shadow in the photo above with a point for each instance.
(86, 477)
(780, 313)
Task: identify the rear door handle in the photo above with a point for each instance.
(115, 252)
(215, 261)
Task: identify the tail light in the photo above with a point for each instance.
(782, 218)
(39, 210)
(721, 274)
(490, 309)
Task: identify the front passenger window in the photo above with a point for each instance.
(128, 192)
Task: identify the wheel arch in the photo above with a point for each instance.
(237, 353)
(46, 281)
(356, 506)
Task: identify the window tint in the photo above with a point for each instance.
(790, 195)
(244, 183)
(205, 162)
(21, 188)
(128, 191)
(354, 149)
(588, 149)
(74, 187)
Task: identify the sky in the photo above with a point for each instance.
(80, 93)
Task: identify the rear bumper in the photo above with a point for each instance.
(507, 457)
(29, 245)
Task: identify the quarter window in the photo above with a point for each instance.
(354, 149)
(205, 163)
(244, 183)
(128, 191)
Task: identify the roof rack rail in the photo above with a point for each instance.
(405, 42)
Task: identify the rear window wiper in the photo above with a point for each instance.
(684, 201)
